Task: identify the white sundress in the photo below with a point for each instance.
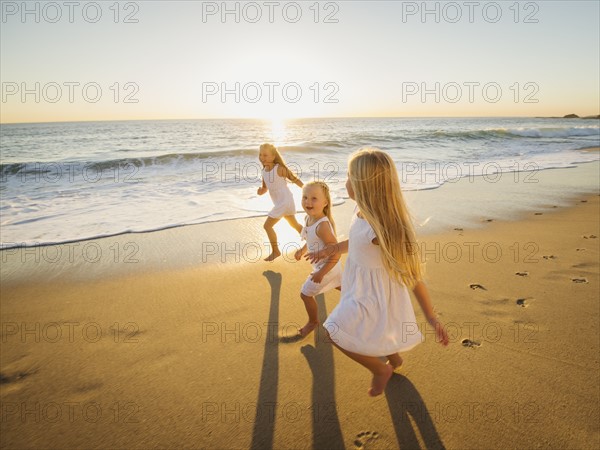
(333, 278)
(280, 193)
(375, 316)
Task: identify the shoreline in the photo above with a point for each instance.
(521, 174)
(242, 240)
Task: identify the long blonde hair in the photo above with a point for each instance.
(327, 209)
(278, 158)
(374, 180)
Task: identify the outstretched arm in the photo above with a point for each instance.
(337, 248)
(287, 173)
(422, 294)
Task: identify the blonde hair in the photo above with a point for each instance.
(278, 158)
(374, 180)
(325, 190)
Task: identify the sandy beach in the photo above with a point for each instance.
(177, 339)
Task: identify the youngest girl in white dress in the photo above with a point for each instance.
(319, 232)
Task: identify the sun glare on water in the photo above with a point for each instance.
(277, 131)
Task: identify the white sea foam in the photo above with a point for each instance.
(565, 132)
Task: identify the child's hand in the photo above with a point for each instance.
(441, 334)
(317, 277)
(261, 190)
(298, 255)
(314, 257)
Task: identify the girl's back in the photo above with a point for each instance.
(361, 250)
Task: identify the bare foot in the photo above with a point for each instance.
(273, 255)
(380, 381)
(395, 361)
(308, 328)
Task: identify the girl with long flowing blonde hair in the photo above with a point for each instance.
(375, 317)
(275, 175)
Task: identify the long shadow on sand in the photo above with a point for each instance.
(264, 424)
(403, 401)
(327, 432)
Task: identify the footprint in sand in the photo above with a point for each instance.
(522, 302)
(365, 437)
(583, 265)
(86, 392)
(476, 286)
(488, 220)
(458, 229)
(522, 274)
(549, 257)
(13, 378)
(538, 214)
(13, 381)
(590, 236)
(579, 280)
(469, 343)
(580, 249)
(583, 201)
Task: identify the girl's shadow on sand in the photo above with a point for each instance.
(403, 401)
(327, 432)
(264, 424)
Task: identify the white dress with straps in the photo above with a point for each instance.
(280, 193)
(375, 316)
(333, 278)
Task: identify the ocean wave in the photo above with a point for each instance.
(169, 159)
(310, 147)
(515, 133)
(554, 132)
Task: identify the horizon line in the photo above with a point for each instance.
(266, 119)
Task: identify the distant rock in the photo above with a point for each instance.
(570, 116)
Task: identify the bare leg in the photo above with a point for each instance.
(268, 226)
(394, 360)
(381, 372)
(294, 223)
(312, 310)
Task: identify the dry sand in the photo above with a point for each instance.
(192, 357)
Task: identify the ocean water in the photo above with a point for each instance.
(63, 182)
